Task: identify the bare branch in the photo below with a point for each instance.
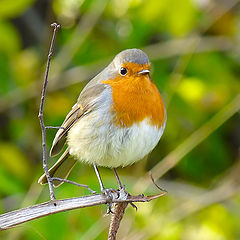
(11, 219)
(51, 127)
(119, 210)
(40, 114)
(73, 183)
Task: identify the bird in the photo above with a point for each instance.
(118, 119)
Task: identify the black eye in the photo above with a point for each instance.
(123, 71)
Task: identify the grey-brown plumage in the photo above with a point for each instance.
(90, 120)
(83, 106)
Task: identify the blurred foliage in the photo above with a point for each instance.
(196, 82)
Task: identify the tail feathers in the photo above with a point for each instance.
(60, 169)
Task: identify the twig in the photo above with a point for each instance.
(73, 183)
(157, 186)
(119, 209)
(11, 219)
(51, 127)
(40, 115)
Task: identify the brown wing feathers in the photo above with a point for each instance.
(60, 138)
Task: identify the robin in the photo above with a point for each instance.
(118, 119)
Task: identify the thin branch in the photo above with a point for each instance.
(73, 183)
(157, 186)
(40, 115)
(11, 219)
(119, 210)
(51, 127)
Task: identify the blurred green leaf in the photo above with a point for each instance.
(152, 10)
(13, 160)
(6, 76)
(211, 159)
(25, 65)
(12, 8)
(8, 183)
(10, 40)
(180, 17)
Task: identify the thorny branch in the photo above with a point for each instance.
(40, 115)
(11, 219)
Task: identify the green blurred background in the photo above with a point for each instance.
(194, 49)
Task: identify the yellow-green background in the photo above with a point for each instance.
(194, 49)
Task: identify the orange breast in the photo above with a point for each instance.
(135, 97)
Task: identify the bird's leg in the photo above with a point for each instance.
(106, 192)
(99, 177)
(118, 179)
(122, 187)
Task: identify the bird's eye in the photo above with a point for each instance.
(123, 71)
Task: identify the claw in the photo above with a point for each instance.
(109, 194)
(124, 194)
(134, 206)
(109, 210)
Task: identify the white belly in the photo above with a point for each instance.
(94, 140)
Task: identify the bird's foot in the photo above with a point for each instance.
(110, 195)
(124, 194)
(120, 194)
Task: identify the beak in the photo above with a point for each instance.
(143, 72)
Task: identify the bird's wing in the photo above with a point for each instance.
(60, 138)
(85, 104)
